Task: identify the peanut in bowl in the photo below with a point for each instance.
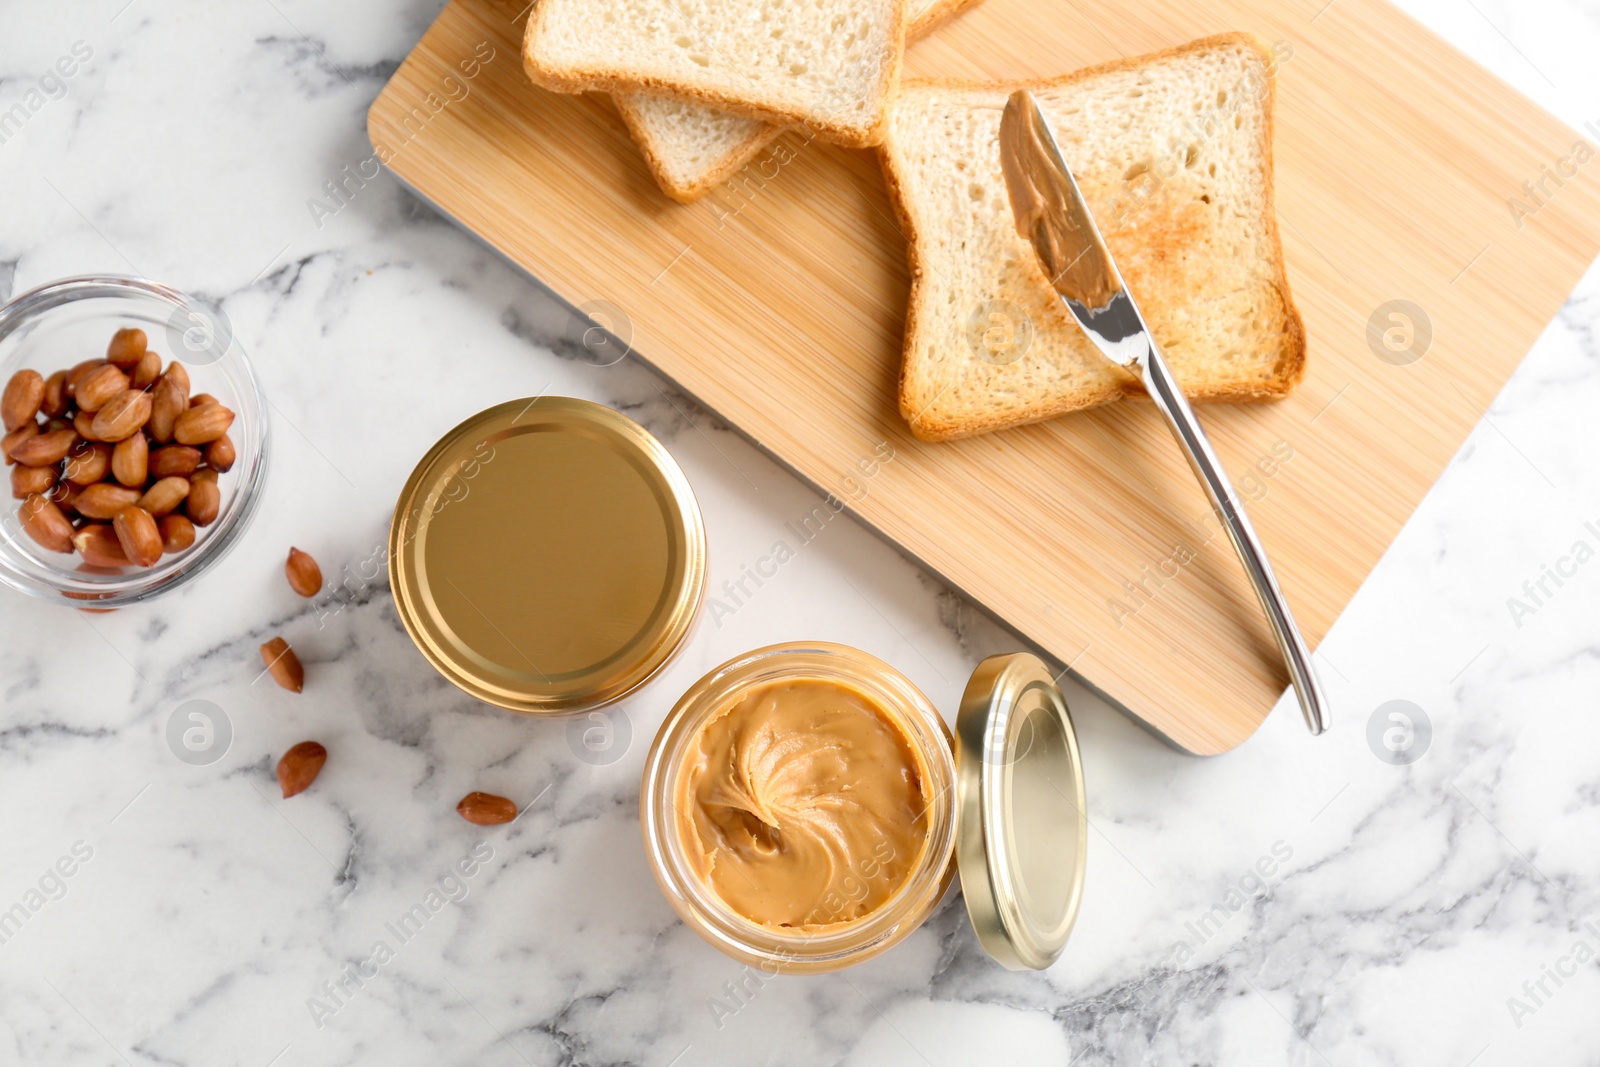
(162, 434)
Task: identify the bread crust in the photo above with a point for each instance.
(1288, 372)
(936, 16)
(735, 159)
(613, 79)
(655, 157)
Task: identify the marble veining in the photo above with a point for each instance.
(1290, 903)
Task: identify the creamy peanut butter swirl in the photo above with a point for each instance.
(803, 804)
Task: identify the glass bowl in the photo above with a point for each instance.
(58, 325)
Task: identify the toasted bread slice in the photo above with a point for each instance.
(1174, 155)
(831, 64)
(692, 148)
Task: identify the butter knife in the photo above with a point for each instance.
(1051, 215)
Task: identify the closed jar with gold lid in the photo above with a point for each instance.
(548, 555)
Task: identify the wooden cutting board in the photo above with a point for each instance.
(778, 302)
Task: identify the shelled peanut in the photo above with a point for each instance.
(113, 459)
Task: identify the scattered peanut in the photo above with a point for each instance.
(300, 766)
(486, 809)
(305, 577)
(284, 664)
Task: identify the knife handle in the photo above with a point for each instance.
(1163, 389)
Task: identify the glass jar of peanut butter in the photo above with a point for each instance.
(805, 807)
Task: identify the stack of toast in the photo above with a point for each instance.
(1173, 152)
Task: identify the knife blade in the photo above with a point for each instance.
(1053, 217)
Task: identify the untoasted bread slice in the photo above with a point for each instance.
(1174, 155)
(692, 148)
(832, 64)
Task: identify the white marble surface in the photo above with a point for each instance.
(1405, 905)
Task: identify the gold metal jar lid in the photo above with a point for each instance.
(547, 555)
(1021, 821)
